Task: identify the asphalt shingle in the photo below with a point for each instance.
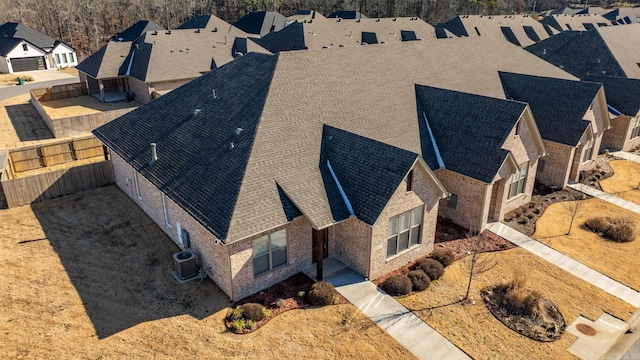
(623, 94)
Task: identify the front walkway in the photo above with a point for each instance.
(626, 155)
(606, 197)
(566, 263)
(405, 327)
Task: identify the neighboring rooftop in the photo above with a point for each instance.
(347, 14)
(469, 130)
(20, 31)
(281, 108)
(521, 30)
(600, 51)
(575, 22)
(136, 30)
(261, 23)
(594, 10)
(558, 121)
(623, 94)
(624, 15)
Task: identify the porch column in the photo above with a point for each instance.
(101, 85)
(318, 237)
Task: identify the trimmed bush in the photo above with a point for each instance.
(398, 284)
(530, 215)
(446, 257)
(280, 303)
(322, 293)
(419, 280)
(431, 267)
(599, 224)
(622, 230)
(253, 311)
(523, 220)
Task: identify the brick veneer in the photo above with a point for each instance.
(619, 136)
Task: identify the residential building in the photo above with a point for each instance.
(572, 118)
(24, 49)
(521, 30)
(265, 154)
(575, 22)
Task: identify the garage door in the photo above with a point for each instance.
(27, 64)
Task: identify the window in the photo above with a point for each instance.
(410, 180)
(57, 58)
(64, 58)
(588, 150)
(135, 179)
(404, 231)
(269, 252)
(25, 47)
(71, 58)
(165, 207)
(519, 180)
(636, 128)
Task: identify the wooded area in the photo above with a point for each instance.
(87, 24)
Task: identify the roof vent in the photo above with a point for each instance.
(544, 51)
(155, 32)
(154, 154)
(231, 145)
(238, 131)
(357, 20)
(338, 19)
(214, 94)
(394, 19)
(197, 31)
(168, 32)
(196, 111)
(215, 29)
(310, 21)
(341, 45)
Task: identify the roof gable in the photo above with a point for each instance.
(469, 130)
(136, 30)
(8, 44)
(579, 53)
(204, 133)
(109, 61)
(289, 38)
(368, 171)
(558, 105)
(261, 22)
(20, 31)
(622, 94)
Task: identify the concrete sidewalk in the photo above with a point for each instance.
(627, 156)
(568, 264)
(405, 327)
(606, 197)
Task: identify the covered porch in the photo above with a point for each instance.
(109, 90)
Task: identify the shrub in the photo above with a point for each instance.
(518, 212)
(530, 215)
(302, 294)
(280, 303)
(322, 293)
(253, 311)
(419, 280)
(398, 284)
(446, 257)
(238, 325)
(519, 299)
(452, 231)
(523, 220)
(599, 224)
(250, 324)
(622, 229)
(536, 211)
(442, 236)
(236, 314)
(431, 267)
(509, 216)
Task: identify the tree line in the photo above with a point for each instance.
(87, 24)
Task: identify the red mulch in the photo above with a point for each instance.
(286, 290)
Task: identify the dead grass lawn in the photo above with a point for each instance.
(82, 105)
(87, 276)
(481, 335)
(20, 123)
(624, 182)
(614, 259)
(70, 71)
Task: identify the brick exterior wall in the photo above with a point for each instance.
(141, 89)
(214, 259)
(619, 136)
(424, 193)
(299, 253)
(167, 85)
(556, 164)
(350, 242)
(472, 208)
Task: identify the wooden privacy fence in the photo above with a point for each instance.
(53, 184)
(40, 156)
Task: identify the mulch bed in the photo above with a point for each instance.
(545, 324)
(287, 291)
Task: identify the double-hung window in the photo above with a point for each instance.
(269, 252)
(519, 180)
(57, 59)
(71, 58)
(588, 150)
(404, 231)
(64, 59)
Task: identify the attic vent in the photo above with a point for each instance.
(154, 154)
(154, 33)
(238, 131)
(215, 29)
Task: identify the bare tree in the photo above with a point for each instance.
(573, 208)
(477, 265)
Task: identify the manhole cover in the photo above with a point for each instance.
(586, 329)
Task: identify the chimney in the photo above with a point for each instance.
(154, 154)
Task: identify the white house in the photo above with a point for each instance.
(24, 49)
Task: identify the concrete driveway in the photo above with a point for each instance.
(41, 78)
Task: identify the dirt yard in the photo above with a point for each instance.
(20, 124)
(481, 335)
(87, 276)
(614, 259)
(625, 181)
(82, 105)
